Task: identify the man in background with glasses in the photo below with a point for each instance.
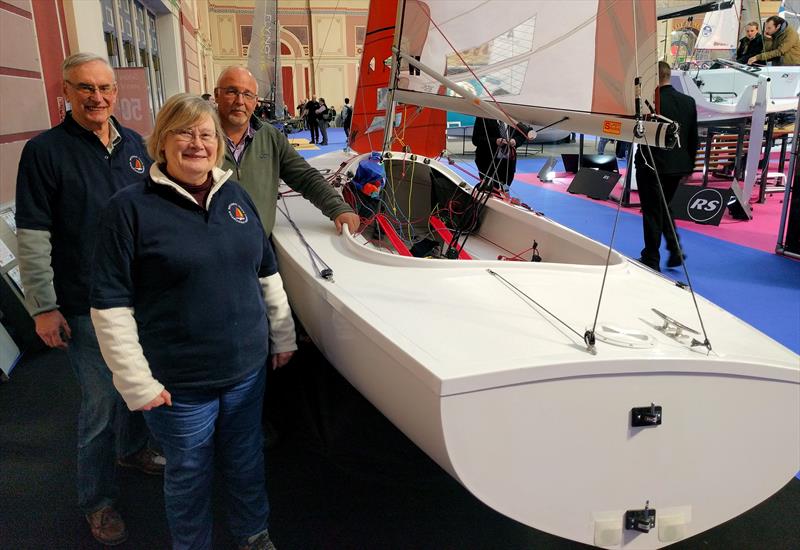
(66, 176)
(260, 155)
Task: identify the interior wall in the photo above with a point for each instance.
(33, 42)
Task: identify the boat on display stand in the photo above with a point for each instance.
(563, 384)
(731, 92)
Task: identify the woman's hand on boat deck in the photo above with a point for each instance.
(350, 218)
(752, 60)
(280, 359)
(163, 398)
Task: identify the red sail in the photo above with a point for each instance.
(422, 130)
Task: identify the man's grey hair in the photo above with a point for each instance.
(81, 58)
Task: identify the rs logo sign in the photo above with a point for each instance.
(704, 205)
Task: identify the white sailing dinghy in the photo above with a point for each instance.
(580, 394)
(731, 93)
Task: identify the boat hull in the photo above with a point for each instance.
(551, 446)
(726, 94)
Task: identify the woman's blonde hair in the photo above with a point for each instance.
(179, 112)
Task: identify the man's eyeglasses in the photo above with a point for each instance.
(188, 135)
(88, 90)
(233, 93)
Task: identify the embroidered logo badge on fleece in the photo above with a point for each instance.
(237, 213)
(136, 164)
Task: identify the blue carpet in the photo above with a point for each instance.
(761, 288)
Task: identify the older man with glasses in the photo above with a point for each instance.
(261, 156)
(66, 176)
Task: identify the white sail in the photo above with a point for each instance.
(263, 55)
(720, 30)
(538, 59)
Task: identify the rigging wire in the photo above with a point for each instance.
(674, 231)
(519, 292)
(619, 202)
(326, 272)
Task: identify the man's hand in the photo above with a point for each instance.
(163, 398)
(280, 359)
(752, 60)
(49, 327)
(350, 218)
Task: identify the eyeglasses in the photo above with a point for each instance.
(233, 93)
(188, 135)
(88, 90)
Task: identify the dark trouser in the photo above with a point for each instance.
(346, 128)
(106, 428)
(499, 171)
(314, 129)
(655, 217)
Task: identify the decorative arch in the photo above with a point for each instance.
(292, 43)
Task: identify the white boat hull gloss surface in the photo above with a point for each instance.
(510, 402)
(722, 94)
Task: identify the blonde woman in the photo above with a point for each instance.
(189, 308)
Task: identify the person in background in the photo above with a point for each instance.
(751, 44)
(66, 176)
(496, 151)
(601, 144)
(188, 336)
(261, 156)
(332, 117)
(347, 116)
(311, 119)
(323, 120)
(671, 165)
(301, 113)
(782, 46)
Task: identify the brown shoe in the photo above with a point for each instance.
(146, 461)
(261, 541)
(107, 526)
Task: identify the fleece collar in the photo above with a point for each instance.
(219, 176)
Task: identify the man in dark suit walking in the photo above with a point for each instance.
(672, 166)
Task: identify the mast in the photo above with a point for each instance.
(388, 128)
(276, 55)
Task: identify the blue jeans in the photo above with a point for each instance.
(106, 428)
(200, 424)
